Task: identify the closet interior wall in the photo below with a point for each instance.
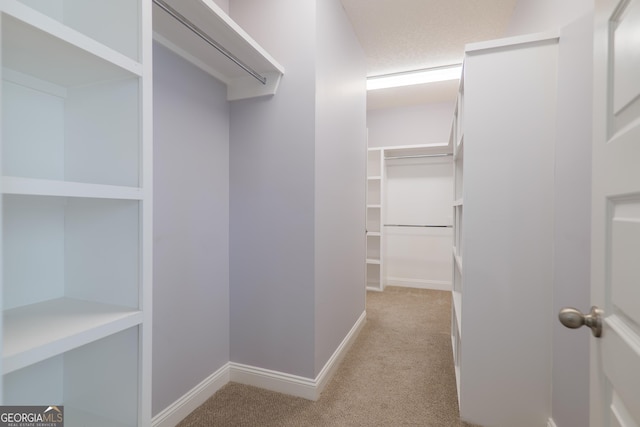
(296, 180)
(409, 230)
(191, 232)
(395, 132)
(259, 188)
(418, 221)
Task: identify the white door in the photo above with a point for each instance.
(615, 274)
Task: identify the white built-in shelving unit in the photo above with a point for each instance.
(76, 185)
(503, 134)
(457, 142)
(76, 208)
(374, 222)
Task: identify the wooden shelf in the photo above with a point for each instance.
(43, 187)
(215, 23)
(39, 331)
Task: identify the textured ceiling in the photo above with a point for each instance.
(404, 35)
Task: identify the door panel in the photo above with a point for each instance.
(625, 264)
(620, 417)
(626, 62)
(615, 281)
(622, 350)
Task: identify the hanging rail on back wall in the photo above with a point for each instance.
(197, 31)
(420, 226)
(416, 156)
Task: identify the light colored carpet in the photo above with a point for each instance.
(399, 372)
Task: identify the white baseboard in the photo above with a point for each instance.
(294, 385)
(551, 423)
(258, 377)
(438, 285)
(272, 380)
(195, 397)
(334, 361)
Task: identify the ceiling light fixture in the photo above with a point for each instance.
(428, 75)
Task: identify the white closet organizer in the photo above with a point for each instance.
(457, 142)
(76, 208)
(375, 172)
(503, 135)
(203, 34)
(376, 210)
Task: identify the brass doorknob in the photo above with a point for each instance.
(574, 318)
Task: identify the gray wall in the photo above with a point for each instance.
(340, 180)
(533, 16)
(224, 5)
(283, 150)
(191, 237)
(570, 394)
(413, 125)
(272, 196)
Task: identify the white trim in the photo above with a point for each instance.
(272, 380)
(294, 385)
(195, 397)
(189, 57)
(551, 423)
(280, 382)
(49, 187)
(336, 358)
(438, 285)
(511, 42)
(417, 146)
(258, 377)
(31, 82)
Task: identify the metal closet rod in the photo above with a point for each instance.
(197, 31)
(419, 155)
(421, 226)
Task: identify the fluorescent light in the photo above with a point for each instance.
(408, 78)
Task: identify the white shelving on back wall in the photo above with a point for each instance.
(76, 208)
(374, 235)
